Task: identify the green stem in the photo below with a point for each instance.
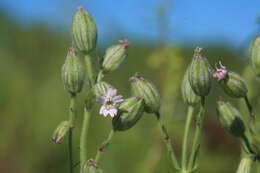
(185, 138)
(89, 68)
(71, 121)
(83, 138)
(250, 109)
(70, 151)
(245, 165)
(168, 143)
(104, 145)
(196, 139)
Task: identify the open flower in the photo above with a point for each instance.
(110, 102)
(221, 72)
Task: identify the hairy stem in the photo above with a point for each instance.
(168, 143)
(185, 138)
(104, 145)
(83, 138)
(196, 139)
(71, 121)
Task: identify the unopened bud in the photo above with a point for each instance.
(188, 94)
(255, 55)
(231, 119)
(130, 112)
(90, 166)
(60, 132)
(200, 74)
(144, 88)
(84, 31)
(100, 88)
(73, 72)
(232, 83)
(114, 56)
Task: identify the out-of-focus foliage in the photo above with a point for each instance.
(33, 101)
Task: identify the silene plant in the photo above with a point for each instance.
(79, 70)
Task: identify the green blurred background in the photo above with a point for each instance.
(33, 101)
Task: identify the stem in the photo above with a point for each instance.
(247, 145)
(168, 143)
(104, 145)
(196, 139)
(89, 69)
(245, 165)
(185, 138)
(70, 153)
(71, 121)
(83, 138)
(250, 109)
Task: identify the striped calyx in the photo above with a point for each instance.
(130, 111)
(60, 132)
(255, 55)
(188, 94)
(234, 85)
(84, 31)
(73, 72)
(114, 56)
(144, 88)
(100, 88)
(231, 119)
(200, 74)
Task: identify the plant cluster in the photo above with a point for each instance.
(79, 70)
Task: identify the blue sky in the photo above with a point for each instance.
(195, 21)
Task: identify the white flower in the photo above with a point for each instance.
(110, 102)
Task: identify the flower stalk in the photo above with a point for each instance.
(196, 139)
(185, 138)
(72, 114)
(167, 140)
(104, 145)
(83, 138)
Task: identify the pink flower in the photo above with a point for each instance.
(110, 102)
(220, 72)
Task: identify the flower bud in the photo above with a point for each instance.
(60, 132)
(231, 82)
(231, 119)
(143, 88)
(73, 72)
(188, 94)
(114, 56)
(91, 166)
(84, 31)
(255, 55)
(100, 88)
(130, 111)
(200, 74)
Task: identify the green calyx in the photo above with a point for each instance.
(73, 72)
(200, 74)
(234, 85)
(231, 119)
(60, 132)
(130, 112)
(100, 88)
(255, 55)
(84, 31)
(114, 56)
(145, 89)
(188, 94)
